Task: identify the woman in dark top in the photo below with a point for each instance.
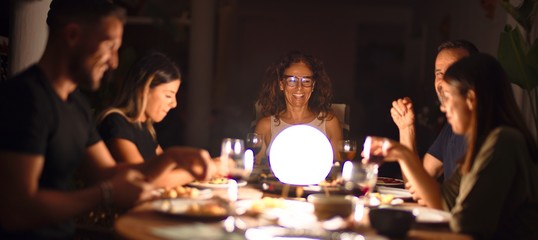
(494, 192)
(144, 97)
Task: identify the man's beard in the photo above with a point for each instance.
(83, 77)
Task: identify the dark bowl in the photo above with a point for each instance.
(391, 222)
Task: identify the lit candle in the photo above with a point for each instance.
(346, 171)
(232, 190)
(249, 160)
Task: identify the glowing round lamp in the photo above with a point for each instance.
(301, 155)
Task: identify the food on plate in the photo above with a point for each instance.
(331, 182)
(384, 198)
(259, 205)
(389, 181)
(180, 192)
(206, 209)
(215, 180)
(218, 180)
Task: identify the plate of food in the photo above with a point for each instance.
(196, 209)
(183, 192)
(220, 182)
(386, 181)
(275, 186)
(270, 204)
(287, 213)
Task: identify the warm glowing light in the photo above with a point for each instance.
(347, 148)
(347, 171)
(249, 160)
(301, 155)
(366, 147)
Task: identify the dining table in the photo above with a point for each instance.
(145, 222)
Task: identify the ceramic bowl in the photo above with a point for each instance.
(327, 207)
(391, 222)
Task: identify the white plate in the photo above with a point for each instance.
(179, 207)
(276, 209)
(288, 213)
(275, 232)
(429, 215)
(395, 192)
(202, 194)
(241, 183)
(385, 181)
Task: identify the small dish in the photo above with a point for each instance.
(327, 207)
(391, 222)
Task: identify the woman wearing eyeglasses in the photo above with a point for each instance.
(297, 90)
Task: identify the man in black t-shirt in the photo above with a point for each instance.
(47, 131)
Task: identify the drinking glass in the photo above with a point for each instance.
(359, 179)
(372, 149)
(254, 141)
(234, 160)
(347, 149)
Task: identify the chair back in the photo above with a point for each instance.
(341, 111)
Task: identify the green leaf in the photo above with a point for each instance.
(524, 14)
(532, 56)
(512, 55)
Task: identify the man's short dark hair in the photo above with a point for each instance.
(83, 11)
(463, 44)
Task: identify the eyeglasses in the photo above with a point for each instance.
(293, 81)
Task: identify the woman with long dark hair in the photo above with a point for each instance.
(495, 192)
(297, 90)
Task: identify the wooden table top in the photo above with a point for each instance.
(141, 221)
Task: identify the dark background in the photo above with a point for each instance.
(374, 51)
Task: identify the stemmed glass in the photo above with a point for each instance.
(372, 149)
(233, 159)
(359, 178)
(238, 163)
(347, 149)
(254, 142)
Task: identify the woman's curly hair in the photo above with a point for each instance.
(271, 98)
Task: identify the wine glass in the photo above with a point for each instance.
(254, 142)
(372, 149)
(234, 160)
(238, 163)
(359, 179)
(347, 149)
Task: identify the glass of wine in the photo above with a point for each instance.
(237, 162)
(254, 142)
(359, 179)
(372, 149)
(347, 149)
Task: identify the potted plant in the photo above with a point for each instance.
(518, 51)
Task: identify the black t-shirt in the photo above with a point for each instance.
(449, 148)
(117, 126)
(37, 121)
